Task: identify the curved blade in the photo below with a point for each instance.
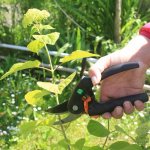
(69, 118)
(61, 108)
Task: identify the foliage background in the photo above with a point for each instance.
(87, 24)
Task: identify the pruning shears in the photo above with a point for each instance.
(82, 100)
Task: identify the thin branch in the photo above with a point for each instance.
(45, 69)
(107, 135)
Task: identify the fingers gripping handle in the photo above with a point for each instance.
(102, 107)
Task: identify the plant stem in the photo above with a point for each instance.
(107, 136)
(61, 126)
(45, 69)
(50, 63)
(130, 137)
(56, 95)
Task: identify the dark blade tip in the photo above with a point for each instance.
(61, 108)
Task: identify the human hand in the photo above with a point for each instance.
(125, 83)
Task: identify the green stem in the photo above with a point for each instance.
(50, 63)
(107, 135)
(45, 69)
(61, 126)
(57, 100)
(130, 137)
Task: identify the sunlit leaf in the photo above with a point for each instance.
(49, 87)
(56, 88)
(47, 120)
(21, 66)
(48, 38)
(65, 82)
(40, 27)
(97, 129)
(35, 46)
(34, 16)
(78, 54)
(118, 145)
(36, 97)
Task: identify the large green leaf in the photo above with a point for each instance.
(97, 129)
(34, 16)
(21, 66)
(35, 97)
(48, 38)
(35, 46)
(118, 145)
(56, 88)
(78, 54)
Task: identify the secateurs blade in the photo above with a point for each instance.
(82, 100)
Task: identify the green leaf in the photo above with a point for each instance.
(21, 66)
(79, 144)
(132, 147)
(63, 48)
(34, 16)
(78, 54)
(65, 82)
(35, 46)
(118, 145)
(40, 27)
(56, 88)
(49, 87)
(97, 129)
(48, 38)
(35, 97)
(62, 144)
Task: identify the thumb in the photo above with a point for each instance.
(96, 69)
(103, 63)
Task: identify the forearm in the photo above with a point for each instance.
(138, 49)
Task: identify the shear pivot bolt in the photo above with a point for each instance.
(75, 107)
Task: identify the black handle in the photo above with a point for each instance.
(118, 68)
(84, 87)
(96, 108)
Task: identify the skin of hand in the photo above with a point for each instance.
(125, 83)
